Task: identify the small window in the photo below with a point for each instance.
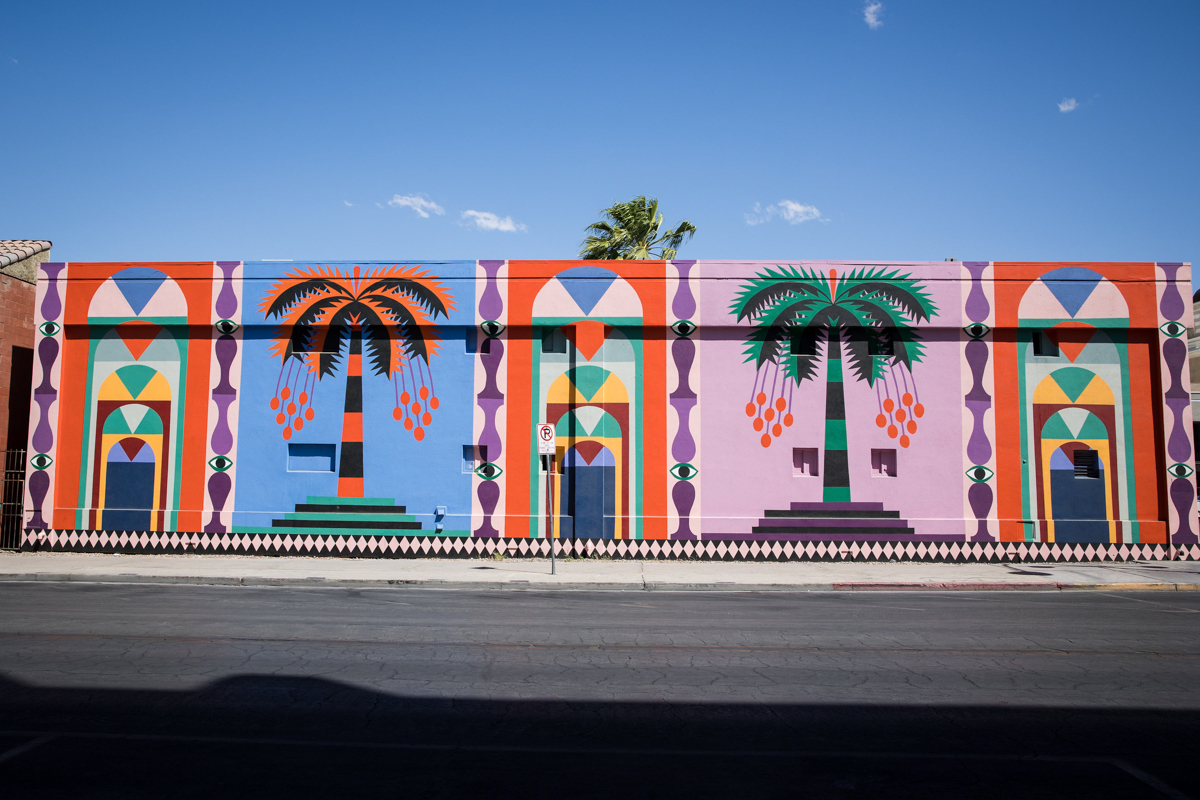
(476, 341)
(883, 463)
(1087, 464)
(311, 457)
(1043, 345)
(554, 341)
(473, 456)
(801, 345)
(879, 342)
(804, 462)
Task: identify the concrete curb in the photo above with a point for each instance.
(640, 586)
(1028, 586)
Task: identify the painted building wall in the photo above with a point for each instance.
(692, 400)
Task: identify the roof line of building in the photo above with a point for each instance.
(14, 250)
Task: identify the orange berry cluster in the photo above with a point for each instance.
(415, 416)
(900, 420)
(770, 418)
(294, 414)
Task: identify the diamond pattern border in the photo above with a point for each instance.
(368, 546)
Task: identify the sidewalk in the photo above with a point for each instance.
(518, 574)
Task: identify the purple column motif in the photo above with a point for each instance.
(223, 395)
(44, 396)
(1177, 399)
(490, 399)
(978, 401)
(683, 400)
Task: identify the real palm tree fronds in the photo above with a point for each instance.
(630, 231)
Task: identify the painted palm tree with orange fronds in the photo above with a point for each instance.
(328, 318)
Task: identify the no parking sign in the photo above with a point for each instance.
(545, 439)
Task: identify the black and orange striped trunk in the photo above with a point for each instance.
(350, 470)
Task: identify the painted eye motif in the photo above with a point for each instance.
(1173, 329)
(488, 471)
(491, 328)
(684, 327)
(49, 327)
(220, 463)
(684, 471)
(226, 326)
(977, 330)
(41, 461)
(1180, 470)
(980, 474)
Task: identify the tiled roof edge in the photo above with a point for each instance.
(15, 250)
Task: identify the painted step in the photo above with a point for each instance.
(825, 529)
(338, 516)
(353, 532)
(828, 513)
(348, 508)
(894, 536)
(837, 506)
(346, 522)
(353, 501)
(839, 522)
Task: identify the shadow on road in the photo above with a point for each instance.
(261, 736)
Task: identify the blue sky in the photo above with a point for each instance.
(918, 130)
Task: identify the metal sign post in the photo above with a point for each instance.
(546, 444)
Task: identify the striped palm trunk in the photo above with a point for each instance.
(350, 468)
(836, 485)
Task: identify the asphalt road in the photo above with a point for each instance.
(183, 691)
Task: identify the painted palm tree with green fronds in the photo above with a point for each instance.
(866, 319)
(631, 231)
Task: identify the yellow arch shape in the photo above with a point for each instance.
(1096, 393)
(611, 391)
(156, 388)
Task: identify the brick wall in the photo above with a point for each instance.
(16, 358)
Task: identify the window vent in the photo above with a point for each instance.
(1043, 345)
(554, 340)
(883, 463)
(311, 457)
(1087, 464)
(804, 462)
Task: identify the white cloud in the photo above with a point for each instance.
(418, 203)
(789, 210)
(871, 12)
(348, 203)
(1068, 104)
(487, 221)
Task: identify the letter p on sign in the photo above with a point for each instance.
(545, 439)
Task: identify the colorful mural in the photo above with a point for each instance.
(385, 407)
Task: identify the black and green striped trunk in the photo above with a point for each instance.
(350, 467)
(837, 466)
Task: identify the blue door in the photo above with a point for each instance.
(589, 491)
(128, 487)
(1080, 505)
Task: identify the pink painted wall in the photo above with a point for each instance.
(741, 478)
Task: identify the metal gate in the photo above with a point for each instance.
(12, 510)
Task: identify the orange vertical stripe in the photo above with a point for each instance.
(352, 430)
